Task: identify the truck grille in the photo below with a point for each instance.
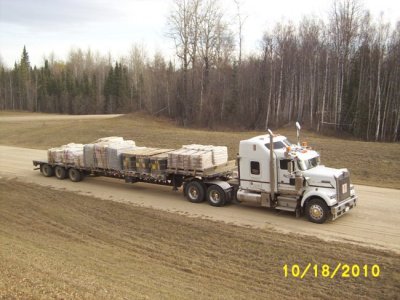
(343, 186)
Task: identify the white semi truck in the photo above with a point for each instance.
(269, 172)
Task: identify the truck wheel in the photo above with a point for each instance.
(317, 211)
(216, 195)
(75, 175)
(47, 170)
(195, 191)
(60, 172)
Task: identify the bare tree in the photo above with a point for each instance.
(241, 21)
(136, 66)
(183, 29)
(344, 21)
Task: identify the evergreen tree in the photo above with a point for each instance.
(24, 80)
(109, 91)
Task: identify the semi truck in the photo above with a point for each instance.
(269, 172)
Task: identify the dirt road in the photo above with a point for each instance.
(28, 118)
(373, 223)
(80, 247)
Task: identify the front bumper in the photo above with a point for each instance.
(343, 207)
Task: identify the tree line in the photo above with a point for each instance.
(341, 74)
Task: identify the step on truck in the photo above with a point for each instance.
(269, 171)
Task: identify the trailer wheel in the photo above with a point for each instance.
(60, 172)
(216, 195)
(75, 175)
(195, 191)
(47, 170)
(317, 211)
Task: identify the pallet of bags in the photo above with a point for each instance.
(144, 160)
(129, 158)
(73, 154)
(138, 160)
(180, 158)
(94, 154)
(100, 155)
(66, 154)
(100, 151)
(159, 163)
(114, 151)
(55, 154)
(107, 152)
(201, 159)
(197, 157)
(89, 158)
(219, 155)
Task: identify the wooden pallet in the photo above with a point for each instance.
(215, 171)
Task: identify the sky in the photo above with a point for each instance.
(114, 26)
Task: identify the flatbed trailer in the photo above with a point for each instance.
(269, 172)
(196, 183)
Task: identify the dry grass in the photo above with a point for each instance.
(57, 244)
(11, 113)
(375, 164)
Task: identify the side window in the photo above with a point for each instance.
(255, 168)
(284, 164)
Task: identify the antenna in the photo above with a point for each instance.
(298, 133)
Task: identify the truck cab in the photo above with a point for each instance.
(273, 172)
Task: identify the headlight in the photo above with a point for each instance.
(333, 196)
(352, 190)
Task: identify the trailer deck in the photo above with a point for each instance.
(225, 170)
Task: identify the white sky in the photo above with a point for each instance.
(113, 26)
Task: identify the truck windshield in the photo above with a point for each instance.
(306, 164)
(280, 144)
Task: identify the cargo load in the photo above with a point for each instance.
(70, 154)
(159, 164)
(180, 159)
(197, 157)
(88, 156)
(74, 155)
(105, 153)
(139, 159)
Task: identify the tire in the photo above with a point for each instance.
(195, 191)
(60, 172)
(216, 196)
(75, 175)
(47, 170)
(317, 211)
